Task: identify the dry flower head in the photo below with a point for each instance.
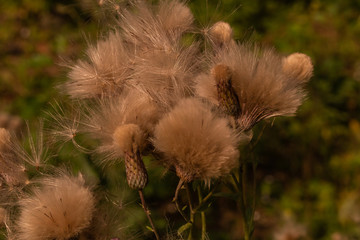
(221, 34)
(298, 66)
(259, 81)
(60, 209)
(197, 143)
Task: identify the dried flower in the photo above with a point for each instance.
(129, 138)
(104, 72)
(108, 116)
(298, 66)
(259, 81)
(221, 34)
(196, 142)
(60, 209)
(175, 17)
(145, 27)
(167, 76)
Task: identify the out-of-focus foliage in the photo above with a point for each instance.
(308, 180)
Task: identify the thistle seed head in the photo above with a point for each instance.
(60, 209)
(298, 66)
(221, 33)
(196, 142)
(129, 138)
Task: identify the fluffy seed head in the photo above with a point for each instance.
(298, 66)
(263, 88)
(167, 76)
(175, 16)
(104, 72)
(221, 73)
(197, 143)
(60, 209)
(133, 113)
(221, 33)
(160, 27)
(129, 138)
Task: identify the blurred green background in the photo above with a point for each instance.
(308, 177)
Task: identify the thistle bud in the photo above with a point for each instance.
(130, 138)
(136, 174)
(221, 33)
(227, 97)
(298, 66)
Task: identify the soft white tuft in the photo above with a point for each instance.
(167, 76)
(60, 209)
(221, 34)
(128, 138)
(197, 143)
(104, 117)
(298, 66)
(157, 28)
(175, 16)
(104, 72)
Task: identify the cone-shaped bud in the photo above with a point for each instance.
(136, 174)
(228, 100)
(130, 139)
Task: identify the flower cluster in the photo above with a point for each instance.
(149, 87)
(148, 90)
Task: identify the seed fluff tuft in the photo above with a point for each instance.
(60, 209)
(197, 143)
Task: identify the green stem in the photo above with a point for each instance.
(203, 219)
(180, 184)
(192, 213)
(241, 186)
(204, 200)
(254, 165)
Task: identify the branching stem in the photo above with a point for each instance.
(175, 200)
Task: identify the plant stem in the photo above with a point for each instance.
(192, 213)
(180, 184)
(147, 212)
(240, 186)
(203, 219)
(204, 200)
(254, 165)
